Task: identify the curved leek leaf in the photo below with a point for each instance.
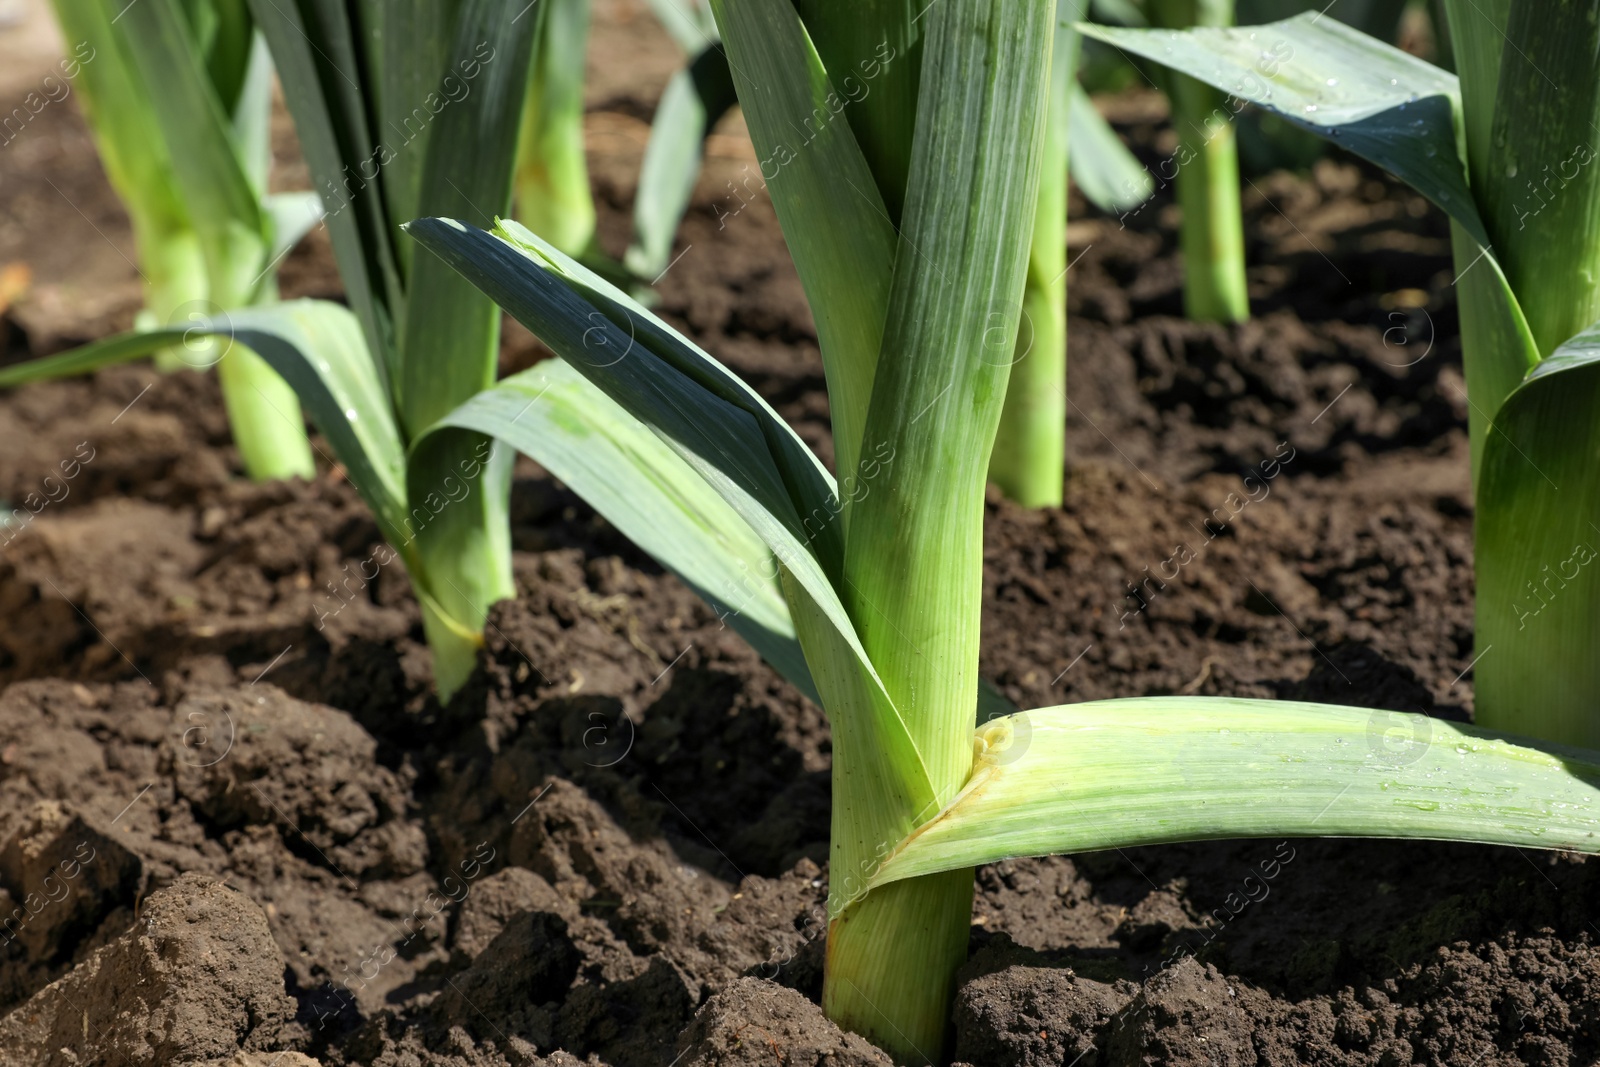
(1385, 105)
(653, 498)
(1497, 347)
(704, 415)
(1106, 172)
(1116, 773)
(647, 492)
(1538, 536)
(317, 347)
(122, 348)
(806, 479)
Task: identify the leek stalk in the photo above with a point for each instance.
(1030, 447)
(1212, 232)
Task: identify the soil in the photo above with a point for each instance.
(236, 827)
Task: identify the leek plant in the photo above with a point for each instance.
(910, 229)
(865, 591)
(401, 110)
(178, 100)
(1507, 151)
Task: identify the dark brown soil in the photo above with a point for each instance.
(609, 848)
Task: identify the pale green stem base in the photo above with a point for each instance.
(454, 648)
(265, 415)
(552, 178)
(174, 268)
(892, 960)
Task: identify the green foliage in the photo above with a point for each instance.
(864, 591)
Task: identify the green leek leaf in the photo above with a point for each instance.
(250, 114)
(711, 417)
(1155, 770)
(450, 331)
(217, 193)
(1497, 347)
(1385, 105)
(552, 171)
(317, 347)
(343, 154)
(408, 44)
(1538, 535)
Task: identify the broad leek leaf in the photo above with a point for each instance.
(660, 377)
(658, 502)
(318, 348)
(873, 58)
(1540, 191)
(410, 46)
(1538, 537)
(1385, 105)
(803, 474)
(834, 218)
(1155, 770)
(449, 333)
(702, 412)
(1106, 172)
